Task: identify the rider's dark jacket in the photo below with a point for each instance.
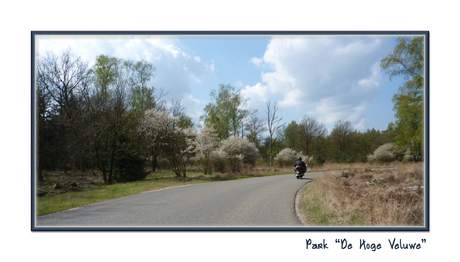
(300, 163)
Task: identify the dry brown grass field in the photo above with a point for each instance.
(366, 195)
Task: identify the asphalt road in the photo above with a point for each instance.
(252, 202)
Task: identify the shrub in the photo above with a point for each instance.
(129, 167)
(407, 156)
(237, 150)
(319, 160)
(219, 161)
(385, 153)
(202, 145)
(370, 158)
(389, 152)
(163, 163)
(286, 157)
(360, 158)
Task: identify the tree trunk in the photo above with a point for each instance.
(40, 175)
(154, 163)
(92, 163)
(112, 160)
(412, 152)
(271, 147)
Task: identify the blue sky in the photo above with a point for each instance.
(329, 78)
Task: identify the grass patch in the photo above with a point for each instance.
(90, 189)
(314, 206)
(318, 214)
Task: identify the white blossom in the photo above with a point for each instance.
(389, 152)
(202, 145)
(163, 135)
(288, 156)
(238, 150)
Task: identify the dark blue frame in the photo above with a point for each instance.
(213, 33)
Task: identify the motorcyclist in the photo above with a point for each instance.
(299, 162)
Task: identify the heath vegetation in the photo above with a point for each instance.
(367, 197)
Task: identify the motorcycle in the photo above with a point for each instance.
(299, 172)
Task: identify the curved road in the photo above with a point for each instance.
(252, 202)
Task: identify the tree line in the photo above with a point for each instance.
(87, 118)
(107, 118)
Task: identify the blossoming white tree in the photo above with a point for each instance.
(288, 156)
(202, 145)
(389, 152)
(162, 132)
(238, 150)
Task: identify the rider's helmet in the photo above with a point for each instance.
(299, 158)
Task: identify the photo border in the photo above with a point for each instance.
(426, 151)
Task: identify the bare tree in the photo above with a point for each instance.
(273, 125)
(311, 132)
(62, 80)
(341, 136)
(254, 126)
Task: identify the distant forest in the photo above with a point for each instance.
(105, 119)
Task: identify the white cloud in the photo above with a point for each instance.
(256, 61)
(331, 78)
(194, 107)
(176, 65)
(211, 66)
(360, 125)
(329, 111)
(173, 49)
(356, 113)
(196, 101)
(292, 98)
(257, 96)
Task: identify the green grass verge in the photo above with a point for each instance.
(314, 207)
(50, 204)
(318, 212)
